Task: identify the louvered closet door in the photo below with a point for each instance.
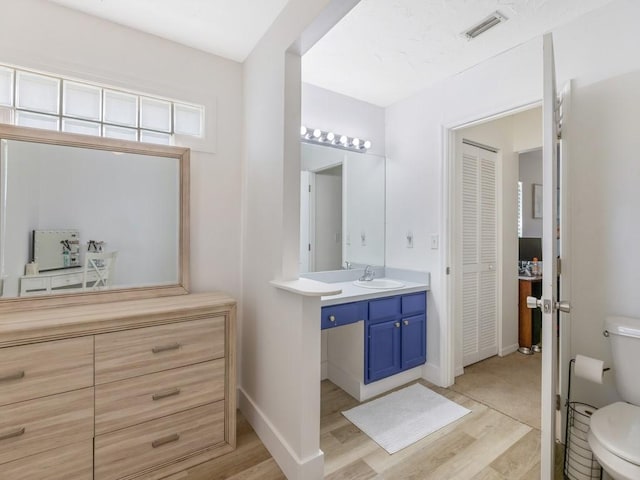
(479, 255)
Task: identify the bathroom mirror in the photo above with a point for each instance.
(120, 208)
(342, 208)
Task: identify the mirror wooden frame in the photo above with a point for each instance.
(182, 155)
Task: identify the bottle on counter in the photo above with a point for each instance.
(535, 268)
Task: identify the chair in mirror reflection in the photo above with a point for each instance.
(98, 270)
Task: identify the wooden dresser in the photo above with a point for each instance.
(138, 389)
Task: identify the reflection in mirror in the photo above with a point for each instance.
(342, 207)
(77, 219)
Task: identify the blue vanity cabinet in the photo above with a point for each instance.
(395, 335)
(343, 314)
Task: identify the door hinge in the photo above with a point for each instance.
(309, 247)
(558, 402)
(559, 266)
(448, 271)
(309, 188)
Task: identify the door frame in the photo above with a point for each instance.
(447, 226)
(449, 199)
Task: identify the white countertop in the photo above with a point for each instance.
(353, 293)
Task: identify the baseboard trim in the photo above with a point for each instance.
(508, 350)
(432, 373)
(294, 468)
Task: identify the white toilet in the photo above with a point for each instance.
(614, 436)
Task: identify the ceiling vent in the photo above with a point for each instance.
(486, 24)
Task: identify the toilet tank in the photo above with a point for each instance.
(624, 335)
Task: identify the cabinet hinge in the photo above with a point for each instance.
(309, 188)
(309, 247)
(448, 271)
(558, 402)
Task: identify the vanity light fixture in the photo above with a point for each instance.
(334, 140)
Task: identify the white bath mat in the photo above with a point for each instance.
(401, 418)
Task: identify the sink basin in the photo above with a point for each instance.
(380, 283)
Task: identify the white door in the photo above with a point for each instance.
(549, 302)
(305, 222)
(479, 254)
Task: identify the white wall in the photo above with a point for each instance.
(44, 36)
(333, 112)
(595, 50)
(530, 173)
(280, 335)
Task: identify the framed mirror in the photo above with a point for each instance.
(86, 219)
(342, 209)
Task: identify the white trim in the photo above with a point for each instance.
(293, 467)
(432, 373)
(503, 352)
(448, 334)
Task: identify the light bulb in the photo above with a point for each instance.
(344, 140)
(303, 130)
(356, 142)
(331, 137)
(317, 133)
(367, 144)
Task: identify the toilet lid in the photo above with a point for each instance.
(617, 427)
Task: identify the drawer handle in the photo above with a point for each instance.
(332, 318)
(12, 376)
(15, 433)
(164, 440)
(168, 393)
(397, 324)
(406, 322)
(166, 348)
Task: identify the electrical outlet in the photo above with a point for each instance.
(409, 239)
(434, 241)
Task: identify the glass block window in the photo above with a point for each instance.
(37, 120)
(46, 101)
(6, 87)
(72, 125)
(37, 93)
(155, 114)
(81, 101)
(122, 133)
(188, 120)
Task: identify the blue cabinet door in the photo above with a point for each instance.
(414, 351)
(382, 355)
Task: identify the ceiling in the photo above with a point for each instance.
(229, 28)
(381, 52)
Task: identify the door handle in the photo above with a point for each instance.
(533, 302)
(563, 306)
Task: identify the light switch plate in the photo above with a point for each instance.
(434, 241)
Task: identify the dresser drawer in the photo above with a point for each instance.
(157, 442)
(136, 400)
(71, 462)
(60, 281)
(141, 351)
(35, 426)
(41, 369)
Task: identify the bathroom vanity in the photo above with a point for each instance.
(374, 339)
(130, 389)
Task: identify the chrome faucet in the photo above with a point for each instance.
(347, 265)
(368, 274)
